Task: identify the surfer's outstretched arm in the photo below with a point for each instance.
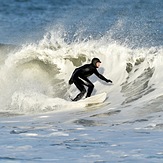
(102, 77)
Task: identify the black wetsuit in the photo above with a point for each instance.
(79, 78)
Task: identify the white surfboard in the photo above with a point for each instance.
(96, 99)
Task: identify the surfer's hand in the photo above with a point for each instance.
(70, 81)
(109, 81)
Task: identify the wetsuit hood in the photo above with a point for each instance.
(94, 61)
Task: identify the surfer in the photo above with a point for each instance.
(80, 78)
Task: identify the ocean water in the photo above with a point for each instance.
(42, 42)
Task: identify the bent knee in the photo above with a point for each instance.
(83, 91)
(91, 86)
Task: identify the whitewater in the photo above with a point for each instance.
(40, 46)
(39, 123)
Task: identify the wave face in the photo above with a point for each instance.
(34, 77)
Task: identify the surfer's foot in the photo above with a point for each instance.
(78, 97)
(74, 99)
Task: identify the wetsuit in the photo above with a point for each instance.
(79, 78)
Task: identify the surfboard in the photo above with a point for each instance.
(96, 99)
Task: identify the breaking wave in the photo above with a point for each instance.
(34, 77)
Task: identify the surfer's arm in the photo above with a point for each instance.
(102, 77)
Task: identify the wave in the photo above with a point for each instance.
(34, 77)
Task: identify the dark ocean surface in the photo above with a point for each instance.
(135, 22)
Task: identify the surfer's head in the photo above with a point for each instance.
(96, 62)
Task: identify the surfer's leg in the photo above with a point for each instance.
(80, 86)
(90, 86)
(90, 89)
